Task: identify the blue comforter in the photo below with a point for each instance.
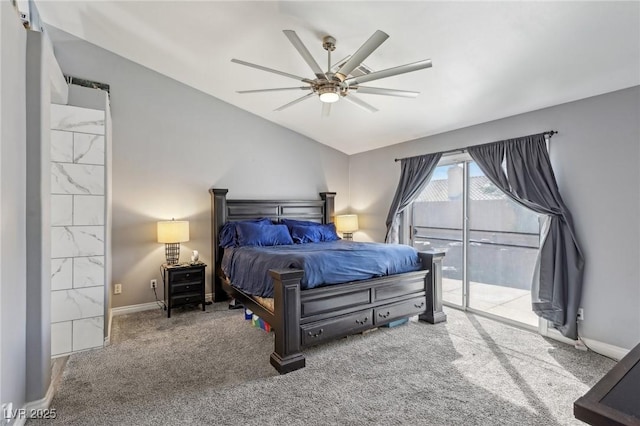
(323, 263)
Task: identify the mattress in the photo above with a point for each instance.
(325, 263)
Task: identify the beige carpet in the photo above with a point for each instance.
(213, 368)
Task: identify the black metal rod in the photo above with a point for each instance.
(474, 230)
(488, 243)
(550, 133)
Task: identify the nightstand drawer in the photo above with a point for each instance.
(387, 313)
(187, 275)
(188, 287)
(186, 298)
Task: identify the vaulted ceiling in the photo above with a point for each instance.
(490, 59)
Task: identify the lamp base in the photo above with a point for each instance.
(172, 253)
(347, 236)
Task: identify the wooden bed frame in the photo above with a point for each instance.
(303, 318)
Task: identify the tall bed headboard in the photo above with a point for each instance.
(224, 210)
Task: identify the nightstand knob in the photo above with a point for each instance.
(187, 275)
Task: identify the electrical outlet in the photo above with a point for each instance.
(580, 314)
(154, 283)
(117, 289)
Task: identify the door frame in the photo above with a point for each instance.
(465, 159)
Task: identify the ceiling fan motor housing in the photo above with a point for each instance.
(328, 92)
(329, 43)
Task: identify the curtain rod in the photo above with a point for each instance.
(550, 133)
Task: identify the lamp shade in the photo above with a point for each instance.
(347, 223)
(173, 231)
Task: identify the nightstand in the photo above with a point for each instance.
(183, 285)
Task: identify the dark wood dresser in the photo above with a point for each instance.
(183, 285)
(615, 399)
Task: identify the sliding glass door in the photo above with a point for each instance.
(437, 224)
(491, 243)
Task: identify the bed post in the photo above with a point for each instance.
(286, 356)
(329, 199)
(433, 287)
(218, 218)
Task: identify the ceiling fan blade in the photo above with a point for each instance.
(341, 62)
(359, 102)
(304, 52)
(389, 72)
(326, 109)
(386, 92)
(274, 90)
(260, 67)
(308, 95)
(362, 53)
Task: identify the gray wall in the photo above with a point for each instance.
(595, 157)
(38, 220)
(13, 43)
(171, 143)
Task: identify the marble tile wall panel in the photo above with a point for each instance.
(61, 338)
(77, 303)
(61, 146)
(77, 232)
(81, 179)
(72, 241)
(61, 210)
(88, 210)
(88, 333)
(61, 273)
(75, 119)
(88, 271)
(88, 149)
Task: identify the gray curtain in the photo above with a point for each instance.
(529, 181)
(414, 176)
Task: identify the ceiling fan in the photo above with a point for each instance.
(344, 78)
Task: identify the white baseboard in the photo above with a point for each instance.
(44, 403)
(107, 338)
(606, 349)
(596, 346)
(130, 309)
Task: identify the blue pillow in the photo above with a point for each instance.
(228, 234)
(305, 234)
(258, 234)
(328, 232)
(313, 233)
(291, 222)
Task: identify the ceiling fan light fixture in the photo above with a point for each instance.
(328, 94)
(329, 97)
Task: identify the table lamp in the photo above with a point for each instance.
(347, 224)
(172, 233)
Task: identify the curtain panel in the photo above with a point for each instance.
(414, 176)
(528, 179)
